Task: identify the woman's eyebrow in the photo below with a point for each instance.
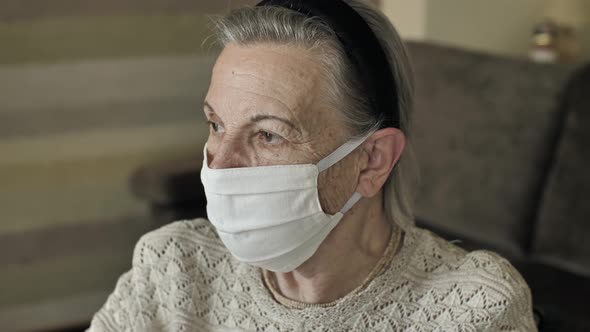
(258, 118)
(262, 117)
(208, 107)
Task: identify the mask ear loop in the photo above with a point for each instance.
(339, 154)
(343, 151)
(356, 196)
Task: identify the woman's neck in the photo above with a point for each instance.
(343, 261)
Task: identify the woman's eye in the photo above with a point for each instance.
(215, 127)
(270, 138)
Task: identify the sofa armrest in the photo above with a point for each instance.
(169, 183)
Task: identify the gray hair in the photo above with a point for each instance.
(251, 25)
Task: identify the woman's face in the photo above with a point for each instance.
(265, 107)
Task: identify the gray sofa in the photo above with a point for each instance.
(503, 151)
(503, 146)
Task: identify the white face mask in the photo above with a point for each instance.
(270, 216)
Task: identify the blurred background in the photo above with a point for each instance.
(101, 135)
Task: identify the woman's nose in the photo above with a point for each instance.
(227, 155)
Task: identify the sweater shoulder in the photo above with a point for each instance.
(480, 282)
(440, 259)
(183, 255)
(178, 240)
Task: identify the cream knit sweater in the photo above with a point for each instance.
(183, 279)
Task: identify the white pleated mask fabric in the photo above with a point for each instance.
(270, 216)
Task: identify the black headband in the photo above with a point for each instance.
(362, 48)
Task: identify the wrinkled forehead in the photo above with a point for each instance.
(270, 77)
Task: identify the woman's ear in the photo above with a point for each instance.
(383, 150)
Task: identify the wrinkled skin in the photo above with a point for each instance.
(271, 80)
(265, 107)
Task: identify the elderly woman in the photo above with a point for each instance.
(307, 172)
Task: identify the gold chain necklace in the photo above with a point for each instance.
(395, 242)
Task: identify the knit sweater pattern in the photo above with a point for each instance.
(184, 279)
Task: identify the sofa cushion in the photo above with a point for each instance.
(484, 127)
(563, 230)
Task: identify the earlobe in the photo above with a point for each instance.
(383, 149)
